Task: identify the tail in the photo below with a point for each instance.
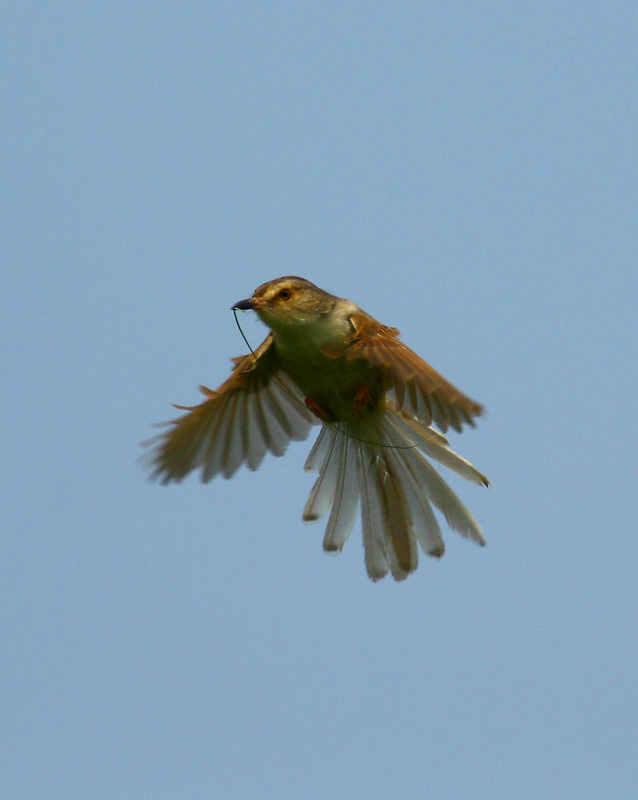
(377, 464)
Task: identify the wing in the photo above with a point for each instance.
(413, 384)
(258, 409)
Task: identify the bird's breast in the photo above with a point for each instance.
(332, 381)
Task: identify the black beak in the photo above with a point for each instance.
(243, 305)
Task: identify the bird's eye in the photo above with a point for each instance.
(285, 294)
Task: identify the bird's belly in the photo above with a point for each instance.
(343, 389)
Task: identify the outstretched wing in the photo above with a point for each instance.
(258, 409)
(413, 384)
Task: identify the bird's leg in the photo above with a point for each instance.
(317, 410)
(362, 401)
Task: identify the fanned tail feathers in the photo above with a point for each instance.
(377, 464)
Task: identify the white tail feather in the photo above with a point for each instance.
(328, 463)
(378, 464)
(346, 498)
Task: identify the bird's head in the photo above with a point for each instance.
(288, 302)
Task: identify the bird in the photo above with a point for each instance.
(327, 362)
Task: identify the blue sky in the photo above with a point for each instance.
(465, 172)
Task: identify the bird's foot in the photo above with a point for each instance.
(317, 410)
(362, 401)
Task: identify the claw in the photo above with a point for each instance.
(362, 401)
(317, 410)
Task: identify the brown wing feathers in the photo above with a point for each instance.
(428, 395)
(256, 410)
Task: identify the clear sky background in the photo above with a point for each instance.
(464, 171)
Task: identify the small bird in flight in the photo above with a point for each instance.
(326, 362)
